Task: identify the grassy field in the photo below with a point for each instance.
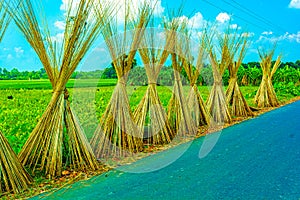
(45, 83)
(19, 115)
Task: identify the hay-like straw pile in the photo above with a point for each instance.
(150, 116)
(58, 140)
(266, 96)
(13, 176)
(196, 105)
(216, 101)
(178, 111)
(117, 135)
(234, 96)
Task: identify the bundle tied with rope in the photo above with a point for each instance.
(234, 96)
(150, 115)
(178, 111)
(58, 140)
(216, 102)
(266, 96)
(196, 105)
(117, 135)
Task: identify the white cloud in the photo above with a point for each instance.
(19, 51)
(263, 38)
(290, 37)
(9, 56)
(248, 34)
(60, 25)
(182, 19)
(267, 33)
(253, 50)
(159, 9)
(58, 38)
(235, 26)
(294, 37)
(65, 4)
(223, 17)
(196, 21)
(294, 4)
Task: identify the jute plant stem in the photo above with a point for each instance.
(216, 101)
(178, 111)
(234, 96)
(4, 20)
(196, 105)
(117, 135)
(158, 129)
(266, 96)
(13, 176)
(58, 140)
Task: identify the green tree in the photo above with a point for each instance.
(297, 64)
(14, 73)
(110, 72)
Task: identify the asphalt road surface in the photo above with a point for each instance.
(256, 159)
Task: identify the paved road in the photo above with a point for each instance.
(257, 159)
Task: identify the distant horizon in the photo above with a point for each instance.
(94, 69)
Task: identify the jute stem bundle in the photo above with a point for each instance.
(216, 101)
(117, 135)
(234, 96)
(266, 96)
(13, 176)
(178, 111)
(58, 140)
(195, 101)
(158, 130)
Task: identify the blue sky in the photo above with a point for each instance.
(266, 20)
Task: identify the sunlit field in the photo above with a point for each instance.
(23, 103)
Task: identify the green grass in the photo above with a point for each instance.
(45, 83)
(18, 116)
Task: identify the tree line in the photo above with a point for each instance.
(249, 74)
(15, 74)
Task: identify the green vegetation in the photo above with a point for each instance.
(249, 74)
(45, 83)
(15, 74)
(20, 115)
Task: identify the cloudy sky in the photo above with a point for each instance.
(266, 21)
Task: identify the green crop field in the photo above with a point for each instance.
(20, 114)
(45, 83)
